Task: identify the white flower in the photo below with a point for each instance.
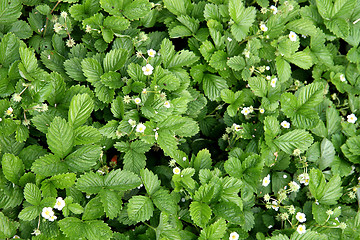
(292, 36)
(57, 27)
(156, 135)
(63, 14)
(342, 78)
(137, 101)
(268, 77)
(273, 82)
(140, 128)
(52, 218)
(16, 237)
(301, 217)
(266, 181)
(36, 232)
(60, 203)
(70, 42)
(229, 39)
(351, 118)
(9, 111)
(246, 53)
(151, 53)
(144, 91)
(267, 68)
(16, 97)
(263, 27)
(245, 111)
(273, 9)
(275, 205)
(261, 110)
(304, 178)
(47, 212)
(184, 159)
(176, 170)
(147, 69)
(183, 199)
(132, 123)
(284, 176)
(294, 187)
(234, 236)
(285, 124)
(301, 229)
(88, 28)
(236, 127)
(167, 104)
(270, 226)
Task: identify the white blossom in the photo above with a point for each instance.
(57, 27)
(60, 203)
(147, 69)
(273, 82)
(137, 101)
(301, 217)
(304, 178)
(342, 78)
(263, 27)
(176, 170)
(292, 36)
(261, 110)
(301, 229)
(151, 53)
(266, 181)
(275, 205)
(64, 14)
(234, 236)
(9, 111)
(285, 124)
(47, 212)
(245, 111)
(229, 39)
(167, 104)
(273, 9)
(351, 118)
(140, 128)
(52, 218)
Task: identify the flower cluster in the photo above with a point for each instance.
(48, 213)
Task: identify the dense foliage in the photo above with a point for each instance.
(179, 119)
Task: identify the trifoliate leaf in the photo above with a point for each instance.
(140, 208)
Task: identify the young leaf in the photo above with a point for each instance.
(140, 208)
(80, 109)
(60, 137)
(32, 194)
(150, 180)
(214, 231)
(296, 139)
(12, 167)
(200, 213)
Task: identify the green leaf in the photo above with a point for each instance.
(60, 137)
(164, 201)
(150, 180)
(310, 96)
(121, 180)
(203, 160)
(339, 26)
(214, 231)
(140, 208)
(63, 181)
(179, 31)
(81, 106)
(167, 49)
(236, 63)
(212, 85)
(115, 59)
(182, 59)
(49, 165)
(243, 18)
(283, 69)
(12, 167)
(137, 9)
(29, 213)
(115, 24)
(258, 86)
(9, 47)
(177, 7)
(90, 183)
(327, 154)
(86, 135)
(301, 59)
(182, 126)
(296, 139)
(9, 11)
(74, 70)
(111, 202)
(7, 227)
(92, 69)
(94, 209)
(200, 213)
(32, 194)
(219, 60)
(84, 158)
(325, 193)
(324, 8)
(94, 229)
